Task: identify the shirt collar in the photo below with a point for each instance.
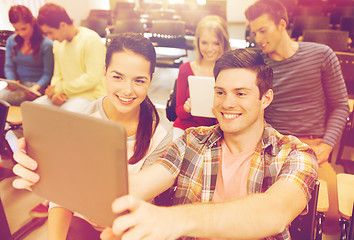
(269, 142)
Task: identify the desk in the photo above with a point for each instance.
(3, 85)
(323, 203)
(345, 194)
(14, 116)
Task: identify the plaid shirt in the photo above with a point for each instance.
(194, 158)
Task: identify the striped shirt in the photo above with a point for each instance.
(193, 160)
(310, 96)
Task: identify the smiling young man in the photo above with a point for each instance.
(310, 97)
(78, 60)
(249, 180)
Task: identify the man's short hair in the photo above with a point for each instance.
(52, 15)
(247, 59)
(275, 10)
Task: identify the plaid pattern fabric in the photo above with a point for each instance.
(193, 160)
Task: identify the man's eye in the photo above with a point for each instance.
(140, 81)
(117, 77)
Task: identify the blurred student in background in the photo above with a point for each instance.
(79, 60)
(211, 40)
(310, 96)
(29, 56)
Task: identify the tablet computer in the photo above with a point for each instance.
(201, 91)
(18, 86)
(82, 160)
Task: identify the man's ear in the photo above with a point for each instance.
(62, 25)
(282, 24)
(267, 98)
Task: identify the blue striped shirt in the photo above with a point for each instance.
(310, 96)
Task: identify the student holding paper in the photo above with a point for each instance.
(29, 56)
(211, 40)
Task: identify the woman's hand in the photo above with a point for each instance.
(187, 106)
(35, 88)
(24, 168)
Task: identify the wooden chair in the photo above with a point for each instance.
(4, 226)
(305, 226)
(4, 145)
(351, 229)
(96, 24)
(346, 61)
(169, 34)
(9, 116)
(302, 23)
(4, 35)
(335, 39)
(347, 140)
(347, 24)
(322, 207)
(125, 25)
(338, 12)
(129, 25)
(345, 201)
(102, 14)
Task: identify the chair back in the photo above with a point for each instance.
(335, 39)
(96, 24)
(161, 14)
(304, 226)
(338, 12)
(347, 24)
(102, 14)
(351, 227)
(302, 23)
(4, 35)
(168, 33)
(4, 225)
(191, 17)
(124, 10)
(309, 11)
(346, 61)
(128, 25)
(4, 109)
(346, 140)
(2, 62)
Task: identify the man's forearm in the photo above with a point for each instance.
(58, 223)
(253, 216)
(145, 187)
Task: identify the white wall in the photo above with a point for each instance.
(77, 9)
(4, 17)
(235, 10)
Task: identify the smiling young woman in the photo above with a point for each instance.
(29, 56)
(211, 40)
(130, 64)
